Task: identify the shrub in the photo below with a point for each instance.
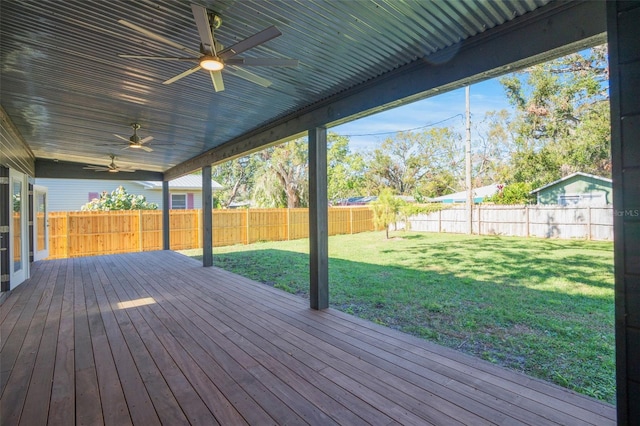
(119, 199)
(515, 193)
(385, 209)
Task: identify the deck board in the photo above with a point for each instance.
(62, 404)
(211, 347)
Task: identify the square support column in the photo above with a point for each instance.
(624, 88)
(318, 220)
(166, 232)
(207, 220)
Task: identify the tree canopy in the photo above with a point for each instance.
(561, 119)
(409, 162)
(279, 176)
(559, 124)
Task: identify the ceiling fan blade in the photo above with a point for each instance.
(96, 168)
(125, 170)
(157, 144)
(159, 58)
(216, 78)
(201, 17)
(146, 140)
(121, 137)
(182, 74)
(250, 76)
(158, 37)
(146, 148)
(250, 42)
(263, 62)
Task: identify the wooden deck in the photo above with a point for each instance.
(155, 338)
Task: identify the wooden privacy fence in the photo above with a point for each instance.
(591, 223)
(74, 234)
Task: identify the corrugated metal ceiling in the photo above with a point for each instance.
(68, 92)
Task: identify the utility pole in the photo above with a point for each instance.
(468, 165)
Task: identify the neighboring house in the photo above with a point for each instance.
(355, 201)
(72, 194)
(576, 189)
(479, 194)
(239, 205)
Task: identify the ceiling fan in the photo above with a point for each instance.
(112, 167)
(212, 56)
(135, 142)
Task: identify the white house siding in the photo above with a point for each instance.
(72, 194)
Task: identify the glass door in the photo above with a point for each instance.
(18, 246)
(40, 223)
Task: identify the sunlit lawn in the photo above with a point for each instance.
(544, 307)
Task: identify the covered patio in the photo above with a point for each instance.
(154, 338)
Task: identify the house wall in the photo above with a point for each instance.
(72, 194)
(16, 155)
(575, 185)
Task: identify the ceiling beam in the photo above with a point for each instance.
(70, 170)
(551, 31)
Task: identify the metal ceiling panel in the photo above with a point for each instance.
(68, 92)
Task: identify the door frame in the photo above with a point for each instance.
(42, 254)
(18, 277)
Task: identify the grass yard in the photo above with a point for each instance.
(543, 307)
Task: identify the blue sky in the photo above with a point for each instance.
(365, 132)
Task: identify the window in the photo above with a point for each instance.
(179, 201)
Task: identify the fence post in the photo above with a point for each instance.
(199, 224)
(288, 224)
(589, 223)
(351, 220)
(67, 247)
(246, 227)
(479, 221)
(439, 221)
(139, 230)
(526, 213)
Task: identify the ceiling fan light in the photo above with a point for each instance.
(113, 170)
(211, 63)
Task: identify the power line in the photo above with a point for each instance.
(407, 130)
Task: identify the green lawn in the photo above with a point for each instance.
(544, 307)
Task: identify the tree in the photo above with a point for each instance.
(268, 192)
(407, 162)
(562, 117)
(492, 148)
(385, 209)
(345, 170)
(237, 178)
(282, 178)
(119, 199)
